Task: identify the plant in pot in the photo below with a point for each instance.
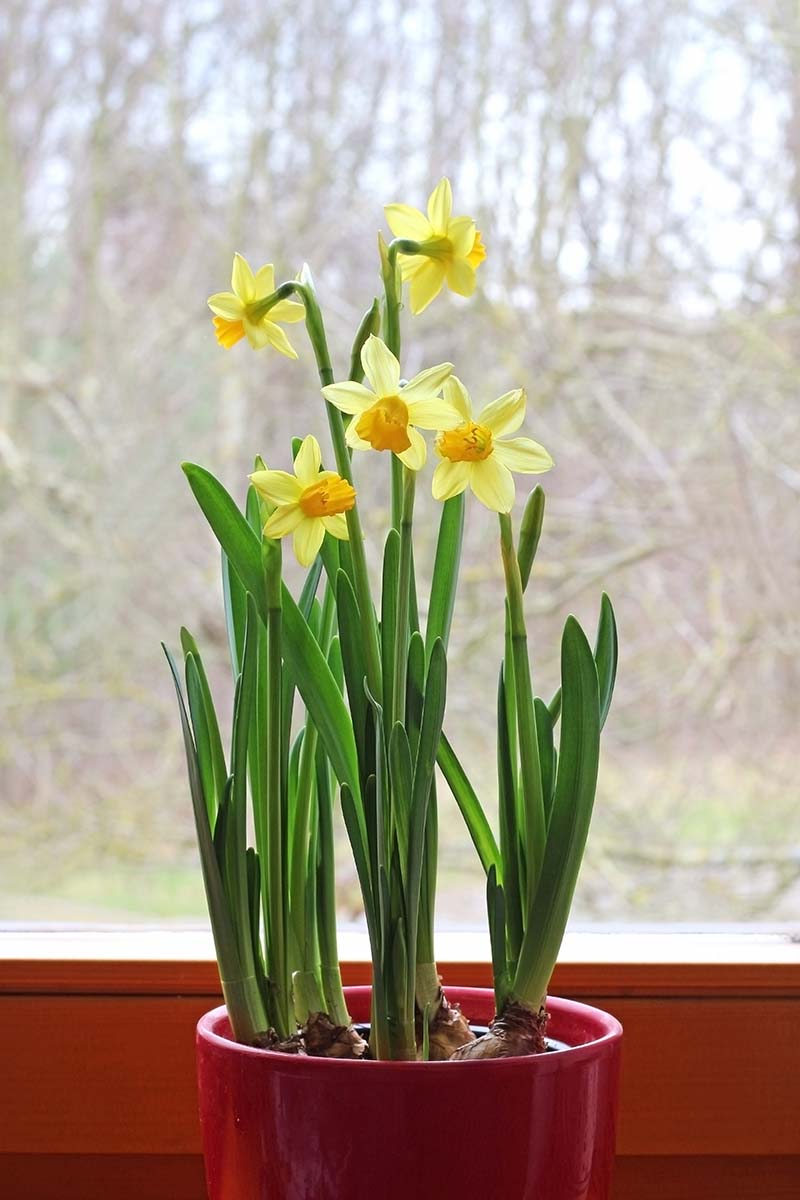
(309, 1089)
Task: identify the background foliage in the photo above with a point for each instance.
(636, 172)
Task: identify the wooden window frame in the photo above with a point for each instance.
(98, 1095)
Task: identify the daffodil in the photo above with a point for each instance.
(240, 313)
(451, 249)
(389, 416)
(477, 453)
(310, 503)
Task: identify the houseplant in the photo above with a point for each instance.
(338, 692)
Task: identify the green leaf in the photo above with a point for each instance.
(544, 732)
(510, 841)
(235, 611)
(445, 572)
(240, 543)
(429, 739)
(576, 780)
(389, 606)
(495, 908)
(401, 773)
(353, 659)
(606, 654)
(415, 688)
(352, 821)
(202, 739)
(529, 533)
(466, 798)
(212, 757)
(221, 927)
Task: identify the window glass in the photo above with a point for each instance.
(635, 172)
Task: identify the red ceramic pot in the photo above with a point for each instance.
(279, 1127)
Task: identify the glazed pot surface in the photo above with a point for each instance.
(281, 1127)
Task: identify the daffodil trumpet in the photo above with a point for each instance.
(336, 690)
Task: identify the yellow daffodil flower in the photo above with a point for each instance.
(238, 315)
(310, 503)
(390, 416)
(477, 453)
(451, 247)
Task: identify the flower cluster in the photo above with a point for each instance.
(474, 452)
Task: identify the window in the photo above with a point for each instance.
(639, 166)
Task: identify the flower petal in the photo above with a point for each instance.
(226, 305)
(426, 283)
(427, 384)
(228, 333)
(414, 457)
(308, 461)
(504, 415)
(410, 264)
(279, 487)
(493, 484)
(461, 277)
(450, 479)
(353, 440)
(308, 538)
(461, 232)
(242, 279)
(337, 526)
(380, 367)
(434, 414)
(287, 311)
(277, 338)
(440, 206)
(284, 520)
(523, 454)
(406, 222)
(257, 334)
(456, 394)
(350, 398)
(264, 282)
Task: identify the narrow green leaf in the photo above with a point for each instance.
(401, 776)
(202, 739)
(389, 606)
(429, 739)
(222, 929)
(415, 688)
(353, 659)
(445, 572)
(544, 732)
(495, 908)
(215, 764)
(512, 864)
(576, 780)
(466, 798)
(235, 612)
(606, 654)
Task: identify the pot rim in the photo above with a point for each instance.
(609, 1027)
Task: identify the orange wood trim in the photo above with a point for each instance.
(116, 1073)
(180, 1177)
(198, 977)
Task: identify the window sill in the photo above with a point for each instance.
(97, 1045)
(653, 962)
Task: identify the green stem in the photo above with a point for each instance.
(403, 598)
(391, 336)
(530, 772)
(316, 333)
